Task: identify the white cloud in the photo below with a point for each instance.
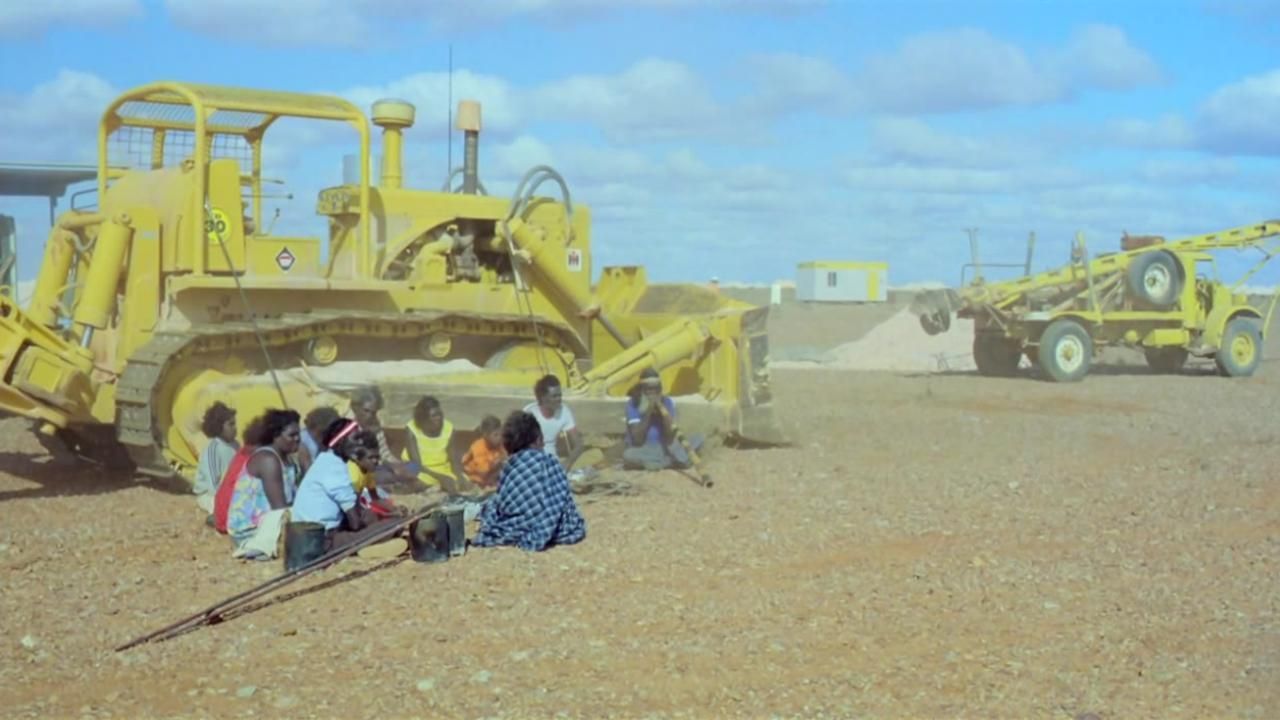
(1236, 119)
(56, 121)
(1101, 56)
(1169, 131)
(280, 23)
(963, 181)
(454, 16)
(652, 100)
(1240, 118)
(1188, 171)
(913, 141)
(954, 70)
(361, 23)
(787, 80)
(510, 160)
(24, 19)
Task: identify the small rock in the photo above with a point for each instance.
(519, 655)
(482, 677)
(28, 642)
(426, 685)
(1050, 605)
(284, 702)
(4, 547)
(246, 692)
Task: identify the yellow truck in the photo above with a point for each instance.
(1163, 297)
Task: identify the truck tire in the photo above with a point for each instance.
(935, 322)
(1167, 360)
(996, 355)
(1066, 351)
(1155, 279)
(1241, 348)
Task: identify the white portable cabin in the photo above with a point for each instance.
(837, 281)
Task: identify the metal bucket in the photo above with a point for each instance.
(429, 539)
(303, 543)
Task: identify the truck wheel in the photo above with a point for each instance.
(1166, 359)
(935, 322)
(1241, 348)
(1155, 278)
(996, 355)
(1066, 351)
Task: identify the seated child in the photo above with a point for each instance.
(483, 461)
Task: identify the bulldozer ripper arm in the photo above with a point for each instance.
(530, 247)
(46, 377)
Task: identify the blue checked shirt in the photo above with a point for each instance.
(533, 508)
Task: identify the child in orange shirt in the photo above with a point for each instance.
(484, 459)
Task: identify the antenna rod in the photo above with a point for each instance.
(449, 130)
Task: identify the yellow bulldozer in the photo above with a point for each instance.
(170, 293)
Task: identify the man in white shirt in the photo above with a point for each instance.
(556, 419)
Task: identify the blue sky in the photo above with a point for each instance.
(730, 139)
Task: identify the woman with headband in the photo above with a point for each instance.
(326, 497)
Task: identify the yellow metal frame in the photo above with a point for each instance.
(206, 101)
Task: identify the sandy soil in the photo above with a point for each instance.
(931, 546)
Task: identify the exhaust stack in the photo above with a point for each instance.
(469, 122)
(393, 116)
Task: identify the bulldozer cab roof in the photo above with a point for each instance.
(227, 110)
(166, 123)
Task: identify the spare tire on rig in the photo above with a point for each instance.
(1155, 279)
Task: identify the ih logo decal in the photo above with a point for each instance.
(285, 259)
(574, 260)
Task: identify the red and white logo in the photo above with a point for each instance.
(285, 259)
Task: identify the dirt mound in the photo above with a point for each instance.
(899, 344)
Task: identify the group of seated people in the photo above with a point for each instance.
(334, 470)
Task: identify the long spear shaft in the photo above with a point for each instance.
(214, 612)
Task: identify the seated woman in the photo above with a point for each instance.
(219, 425)
(264, 489)
(430, 448)
(326, 496)
(533, 508)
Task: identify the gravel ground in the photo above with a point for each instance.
(933, 546)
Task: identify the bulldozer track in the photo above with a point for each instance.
(139, 388)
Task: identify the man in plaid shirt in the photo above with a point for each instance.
(534, 507)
